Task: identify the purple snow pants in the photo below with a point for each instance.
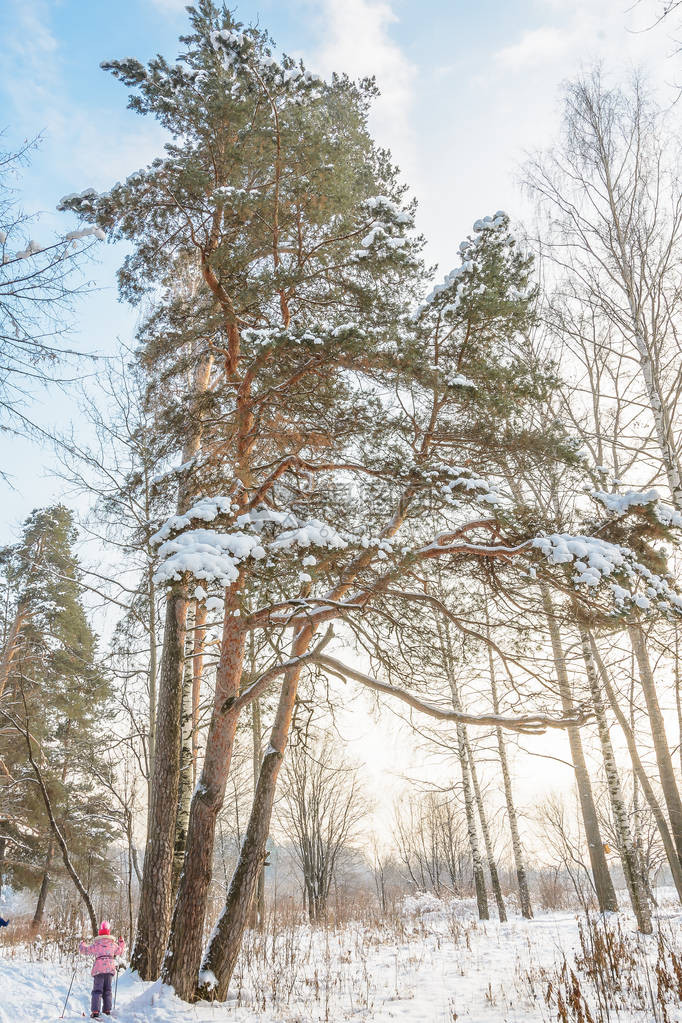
(101, 989)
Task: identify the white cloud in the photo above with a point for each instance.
(536, 46)
(356, 39)
(581, 31)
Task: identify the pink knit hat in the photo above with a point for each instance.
(105, 927)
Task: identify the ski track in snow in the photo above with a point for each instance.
(425, 978)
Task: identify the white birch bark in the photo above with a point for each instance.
(628, 853)
(606, 895)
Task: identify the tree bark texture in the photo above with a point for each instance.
(221, 955)
(44, 888)
(628, 853)
(664, 761)
(153, 919)
(512, 816)
(606, 895)
(185, 778)
(487, 841)
(181, 965)
(641, 775)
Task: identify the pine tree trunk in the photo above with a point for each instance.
(221, 955)
(606, 895)
(666, 772)
(181, 964)
(185, 781)
(44, 888)
(519, 862)
(11, 645)
(641, 775)
(628, 852)
(487, 842)
(153, 919)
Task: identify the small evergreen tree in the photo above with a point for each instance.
(56, 692)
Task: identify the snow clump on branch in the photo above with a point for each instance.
(216, 556)
(620, 504)
(597, 560)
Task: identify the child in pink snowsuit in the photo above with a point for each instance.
(104, 949)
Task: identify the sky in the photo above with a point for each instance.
(467, 89)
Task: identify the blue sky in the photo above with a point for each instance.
(467, 87)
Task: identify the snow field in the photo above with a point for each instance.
(437, 964)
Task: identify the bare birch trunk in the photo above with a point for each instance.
(666, 773)
(519, 861)
(197, 678)
(487, 842)
(606, 895)
(154, 914)
(185, 780)
(467, 787)
(476, 858)
(628, 852)
(640, 774)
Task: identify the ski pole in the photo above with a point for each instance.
(68, 992)
(116, 984)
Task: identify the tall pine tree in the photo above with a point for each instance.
(57, 694)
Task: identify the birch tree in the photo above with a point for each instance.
(612, 189)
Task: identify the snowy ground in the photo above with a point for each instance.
(436, 966)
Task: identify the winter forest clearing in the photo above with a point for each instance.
(340, 661)
(436, 962)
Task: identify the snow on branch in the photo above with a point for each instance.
(596, 561)
(527, 724)
(215, 556)
(621, 504)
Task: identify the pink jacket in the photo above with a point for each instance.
(104, 949)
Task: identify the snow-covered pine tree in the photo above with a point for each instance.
(56, 691)
(332, 424)
(274, 193)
